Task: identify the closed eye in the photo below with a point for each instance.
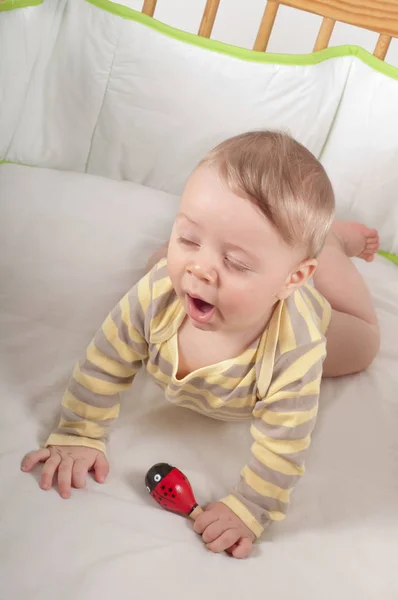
(186, 242)
(235, 265)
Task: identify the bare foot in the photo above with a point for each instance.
(357, 239)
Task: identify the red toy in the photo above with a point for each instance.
(172, 490)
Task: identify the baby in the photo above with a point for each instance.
(255, 302)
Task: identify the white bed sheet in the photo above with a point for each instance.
(60, 272)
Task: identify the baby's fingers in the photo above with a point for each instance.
(225, 541)
(33, 458)
(65, 476)
(242, 549)
(47, 474)
(79, 473)
(101, 468)
(206, 518)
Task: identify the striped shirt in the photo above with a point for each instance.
(275, 383)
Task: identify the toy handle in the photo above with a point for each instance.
(195, 513)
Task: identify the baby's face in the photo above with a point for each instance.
(227, 263)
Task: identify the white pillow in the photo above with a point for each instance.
(361, 154)
(114, 97)
(168, 102)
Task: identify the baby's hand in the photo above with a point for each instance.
(72, 463)
(221, 529)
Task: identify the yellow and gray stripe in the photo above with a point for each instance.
(275, 382)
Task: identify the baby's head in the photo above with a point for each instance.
(253, 217)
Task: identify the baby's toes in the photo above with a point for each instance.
(372, 237)
(371, 245)
(370, 249)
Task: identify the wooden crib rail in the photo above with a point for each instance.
(209, 16)
(149, 7)
(380, 16)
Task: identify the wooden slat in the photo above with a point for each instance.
(209, 16)
(382, 46)
(324, 35)
(376, 15)
(266, 25)
(149, 7)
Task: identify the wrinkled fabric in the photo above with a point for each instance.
(61, 271)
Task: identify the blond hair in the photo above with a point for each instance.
(283, 178)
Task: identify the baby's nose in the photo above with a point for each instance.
(202, 273)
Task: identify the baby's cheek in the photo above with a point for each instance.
(248, 302)
(175, 268)
(237, 301)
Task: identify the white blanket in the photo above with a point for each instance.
(60, 272)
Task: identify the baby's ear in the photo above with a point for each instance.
(297, 277)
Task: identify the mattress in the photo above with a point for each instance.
(70, 245)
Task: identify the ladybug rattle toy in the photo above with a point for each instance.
(172, 490)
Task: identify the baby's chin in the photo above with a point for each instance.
(220, 324)
(205, 326)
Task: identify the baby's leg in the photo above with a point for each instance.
(353, 333)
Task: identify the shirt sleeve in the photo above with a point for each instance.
(282, 425)
(91, 401)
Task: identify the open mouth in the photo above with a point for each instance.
(201, 305)
(199, 310)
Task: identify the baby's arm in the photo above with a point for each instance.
(91, 401)
(282, 427)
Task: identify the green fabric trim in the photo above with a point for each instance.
(12, 4)
(243, 53)
(389, 256)
(18, 164)
(392, 257)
